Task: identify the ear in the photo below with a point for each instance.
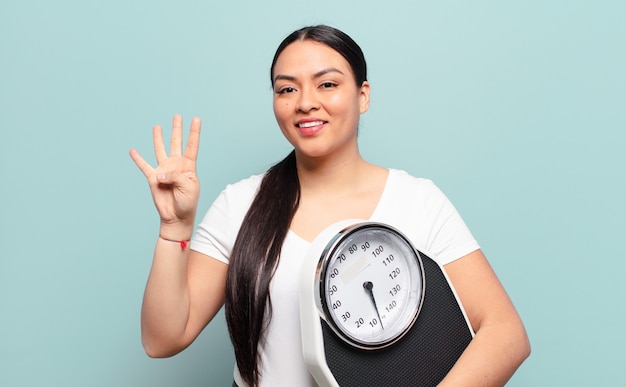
(364, 97)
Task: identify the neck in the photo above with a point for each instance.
(332, 174)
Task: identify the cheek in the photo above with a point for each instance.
(342, 104)
(281, 112)
(279, 108)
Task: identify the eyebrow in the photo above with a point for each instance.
(316, 75)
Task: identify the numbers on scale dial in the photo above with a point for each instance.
(372, 263)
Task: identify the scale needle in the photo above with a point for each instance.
(368, 285)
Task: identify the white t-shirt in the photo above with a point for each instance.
(414, 206)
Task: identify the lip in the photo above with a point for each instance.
(310, 126)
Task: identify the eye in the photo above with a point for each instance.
(328, 85)
(285, 90)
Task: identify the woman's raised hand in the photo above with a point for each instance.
(174, 183)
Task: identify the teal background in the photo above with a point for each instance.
(516, 109)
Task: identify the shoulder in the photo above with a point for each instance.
(249, 185)
(401, 182)
(406, 196)
(231, 205)
(240, 193)
(418, 208)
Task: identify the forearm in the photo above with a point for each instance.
(169, 317)
(492, 357)
(166, 303)
(501, 343)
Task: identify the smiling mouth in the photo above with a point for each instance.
(310, 124)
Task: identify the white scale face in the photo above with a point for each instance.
(370, 283)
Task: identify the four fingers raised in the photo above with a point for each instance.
(191, 150)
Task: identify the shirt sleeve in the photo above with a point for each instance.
(216, 233)
(424, 213)
(448, 236)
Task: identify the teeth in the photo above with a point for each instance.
(310, 124)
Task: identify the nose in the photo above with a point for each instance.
(307, 100)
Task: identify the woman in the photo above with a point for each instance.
(248, 246)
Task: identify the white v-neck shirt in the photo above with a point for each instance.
(414, 206)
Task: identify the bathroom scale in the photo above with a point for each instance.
(375, 311)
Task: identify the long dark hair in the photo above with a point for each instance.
(258, 245)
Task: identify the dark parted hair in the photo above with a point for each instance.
(257, 249)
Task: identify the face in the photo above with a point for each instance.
(317, 103)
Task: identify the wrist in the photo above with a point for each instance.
(182, 242)
(176, 231)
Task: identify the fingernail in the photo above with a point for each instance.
(161, 176)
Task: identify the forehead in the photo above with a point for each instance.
(307, 56)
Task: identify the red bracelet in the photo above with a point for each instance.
(183, 243)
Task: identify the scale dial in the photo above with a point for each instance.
(370, 285)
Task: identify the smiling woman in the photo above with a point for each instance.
(316, 96)
(251, 241)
